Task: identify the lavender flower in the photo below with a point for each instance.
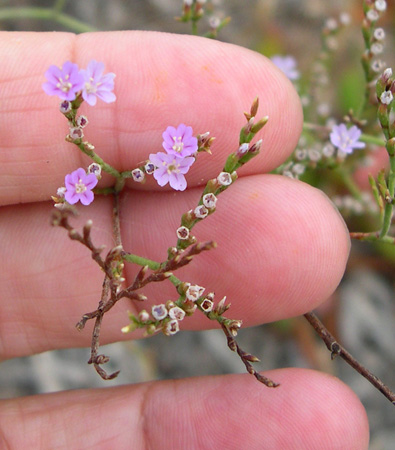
(171, 169)
(344, 139)
(96, 84)
(179, 141)
(287, 64)
(63, 81)
(79, 186)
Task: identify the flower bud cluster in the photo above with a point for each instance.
(349, 205)
(374, 39)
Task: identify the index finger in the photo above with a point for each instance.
(161, 80)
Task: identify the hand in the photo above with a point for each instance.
(282, 247)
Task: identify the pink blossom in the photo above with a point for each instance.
(346, 139)
(179, 141)
(96, 84)
(287, 64)
(79, 186)
(171, 169)
(63, 81)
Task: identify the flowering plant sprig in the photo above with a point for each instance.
(73, 87)
(194, 10)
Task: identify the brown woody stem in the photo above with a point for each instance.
(336, 349)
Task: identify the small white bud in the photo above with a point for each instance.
(380, 5)
(377, 48)
(242, 149)
(379, 34)
(60, 192)
(298, 169)
(328, 150)
(314, 155)
(386, 97)
(372, 15)
(345, 18)
(144, 316)
(331, 24)
(214, 22)
(89, 146)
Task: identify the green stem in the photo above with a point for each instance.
(153, 265)
(37, 13)
(346, 178)
(106, 167)
(389, 207)
(372, 140)
(59, 5)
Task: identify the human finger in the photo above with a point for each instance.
(161, 80)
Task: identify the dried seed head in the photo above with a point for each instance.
(207, 305)
(65, 107)
(176, 313)
(149, 168)
(171, 327)
(183, 233)
(209, 200)
(194, 292)
(138, 175)
(201, 212)
(76, 133)
(234, 326)
(224, 179)
(159, 312)
(82, 121)
(95, 169)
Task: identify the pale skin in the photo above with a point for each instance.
(282, 247)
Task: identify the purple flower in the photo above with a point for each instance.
(179, 141)
(286, 64)
(96, 84)
(171, 169)
(344, 139)
(79, 186)
(64, 82)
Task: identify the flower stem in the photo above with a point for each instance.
(153, 265)
(96, 158)
(372, 140)
(336, 349)
(347, 180)
(37, 13)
